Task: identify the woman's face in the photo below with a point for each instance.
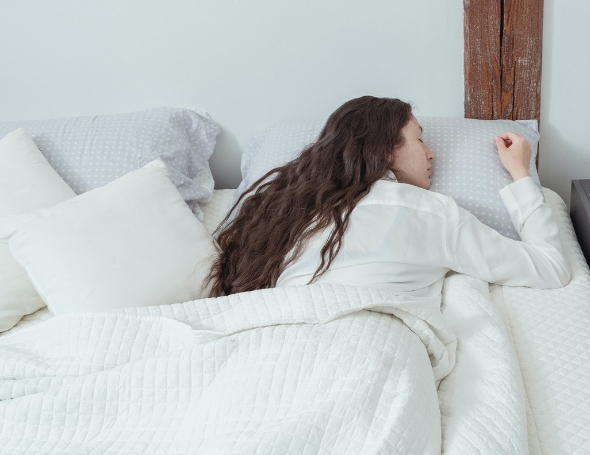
(414, 157)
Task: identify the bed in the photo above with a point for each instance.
(521, 380)
(112, 381)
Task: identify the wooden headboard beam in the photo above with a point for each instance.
(522, 44)
(502, 59)
(482, 65)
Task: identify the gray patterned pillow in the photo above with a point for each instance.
(89, 152)
(466, 165)
(274, 146)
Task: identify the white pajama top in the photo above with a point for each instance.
(405, 239)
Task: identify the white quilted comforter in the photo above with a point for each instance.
(309, 370)
(287, 370)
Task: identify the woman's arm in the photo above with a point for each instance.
(538, 260)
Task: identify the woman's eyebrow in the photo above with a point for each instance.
(421, 129)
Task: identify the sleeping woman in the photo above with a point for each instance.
(354, 209)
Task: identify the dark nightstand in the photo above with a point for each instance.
(580, 214)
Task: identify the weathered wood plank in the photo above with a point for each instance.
(502, 62)
(522, 43)
(482, 58)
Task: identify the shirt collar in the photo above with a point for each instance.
(391, 176)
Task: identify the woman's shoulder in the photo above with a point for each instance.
(386, 192)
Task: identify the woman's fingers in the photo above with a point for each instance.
(515, 153)
(502, 143)
(509, 135)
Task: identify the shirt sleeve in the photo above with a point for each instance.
(537, 261)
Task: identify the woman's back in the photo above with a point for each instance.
(395, 241)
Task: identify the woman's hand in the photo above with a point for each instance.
(515, 153)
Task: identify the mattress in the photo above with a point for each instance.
(548, 333)
(217, 207)
(550, 330)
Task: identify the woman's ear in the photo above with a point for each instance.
(392, 158)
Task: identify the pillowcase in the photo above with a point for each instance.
(89, 152)
(466, 164)
(27, 183)
(132, 242)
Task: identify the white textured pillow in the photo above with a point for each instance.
(89, 152)
(132, 242)
(27, 183)
(466, 165)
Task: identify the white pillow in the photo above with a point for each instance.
(133, 242)
(466, 164)
(27, 183)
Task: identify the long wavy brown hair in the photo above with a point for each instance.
(319, 189)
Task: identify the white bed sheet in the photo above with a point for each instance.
(549, 333)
